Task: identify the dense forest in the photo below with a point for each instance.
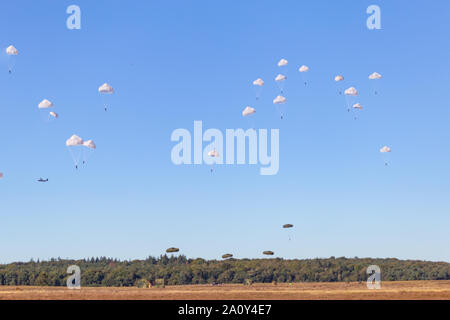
(181, 270)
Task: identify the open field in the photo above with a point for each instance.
(297, 291)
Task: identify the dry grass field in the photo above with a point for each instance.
(298, 291)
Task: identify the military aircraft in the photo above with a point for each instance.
(42, 180)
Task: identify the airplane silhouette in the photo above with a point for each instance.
(42, 180)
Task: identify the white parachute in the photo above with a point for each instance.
(105, 89)
(43, 107)
(283, 63)
(12, 52)
(79, 149)
(248, 111)
(303, 69)
(258, 85)
(278, 101)
(375, 76)
(385, 151)
(349, 93)
(279, 79)
(339, 78)
(357, 107)
(258, 82)
(45, 104)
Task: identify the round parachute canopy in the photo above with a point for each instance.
(375, 76)
(280, 78)
(282, 63)
(258, 82)
(248, 111)
(268, 253)
(106, 88)
(338, 78)
(74, 141)
(11, 51)
(213, 153)
(385, 149)
(45, 104)
(357, 106)
(303, 68)
(171, 250)
(288, 225)
(227, 256)
(90, 144)
(279, 100)
(53, 114)
(351, 92)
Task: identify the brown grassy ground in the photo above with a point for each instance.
(297, 291)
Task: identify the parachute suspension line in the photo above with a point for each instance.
(74, 158)
(348, 103)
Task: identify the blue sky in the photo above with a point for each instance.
(175, 62)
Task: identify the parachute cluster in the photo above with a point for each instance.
(80, 148)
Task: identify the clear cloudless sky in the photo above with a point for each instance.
(173, 62)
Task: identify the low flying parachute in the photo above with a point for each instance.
(258, 85)
(269, 253)
(375, 76)
(171, 250)
(288, 226)
(105, 89)
(302, 71)
(12, 52)
(53, 114)
(248, 111)
(282, 63)
(384, 151)
(227, 256)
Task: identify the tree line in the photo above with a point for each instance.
(179, 270)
